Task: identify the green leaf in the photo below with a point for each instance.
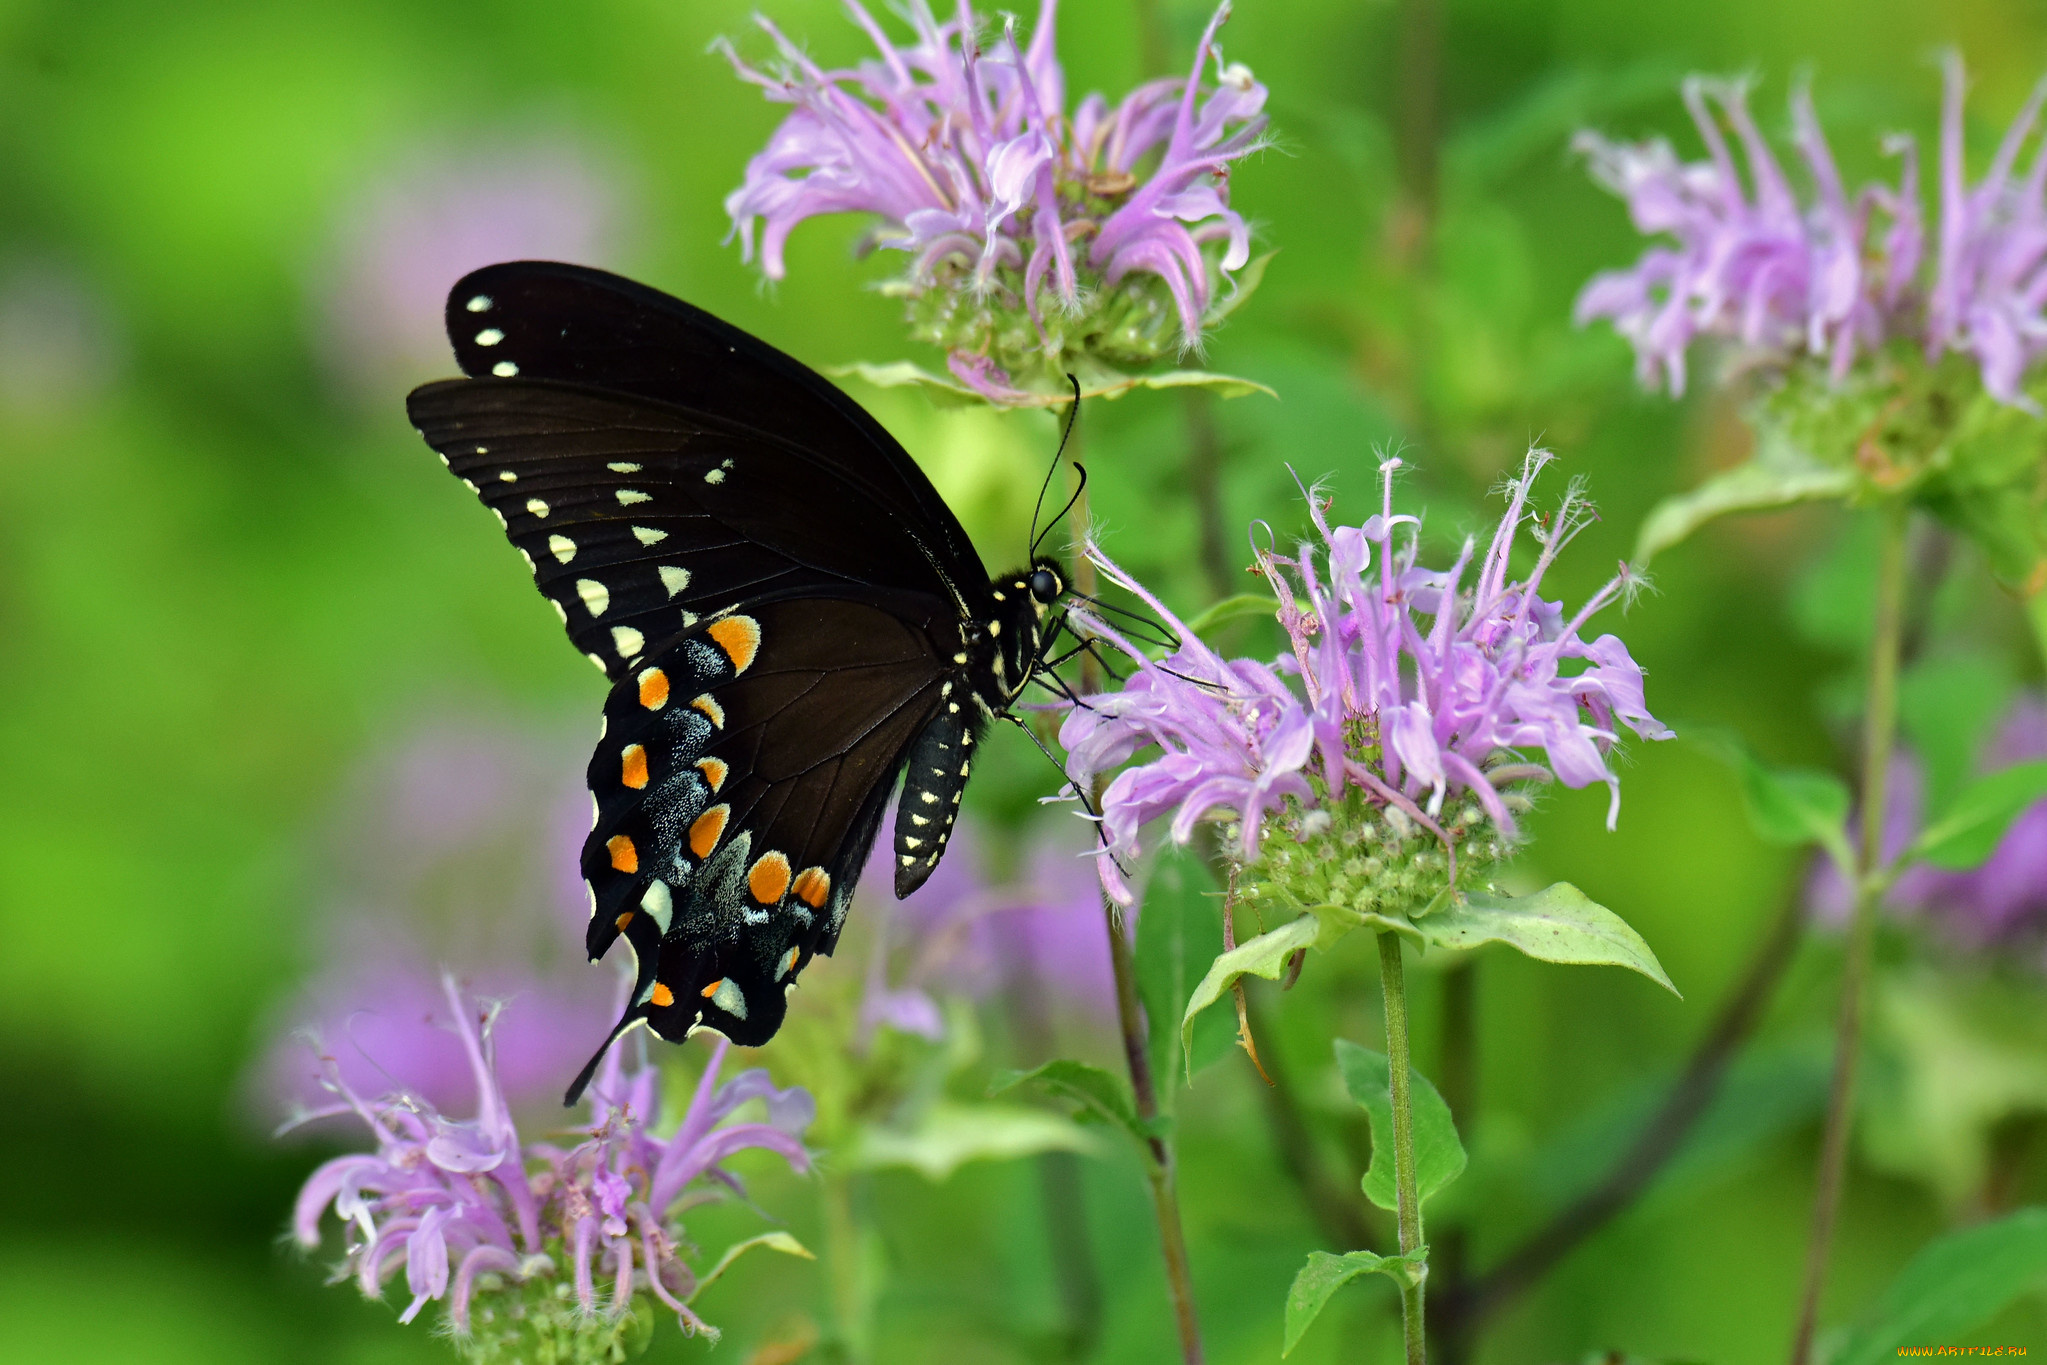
(1324, 1274)
(1789, 806)
(1438, 1154)
(1778, 475)
(1955, 1284)
(1264, 956)
(1107, 1097)
(1233, 609)
(1557, 924)
(946, 391)
(1976, 822)
(1178, 934)
(773, 1241)
(948, 1135)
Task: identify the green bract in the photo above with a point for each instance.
(1367, 858)
(1896, 426)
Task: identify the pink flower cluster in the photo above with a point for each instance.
(450, 1201)
(1828, 274)
(971, 164)
(1413, 685)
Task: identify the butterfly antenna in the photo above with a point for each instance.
(1078, 490)
(1072, 416)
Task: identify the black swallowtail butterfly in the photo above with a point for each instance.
(789, 615)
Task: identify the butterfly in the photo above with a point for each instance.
(791, 619)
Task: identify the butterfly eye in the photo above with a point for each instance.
(1044, 585)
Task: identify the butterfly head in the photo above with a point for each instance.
(1045, 584)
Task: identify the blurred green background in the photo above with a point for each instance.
(230, 574)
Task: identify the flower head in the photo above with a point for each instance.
(1036, 239)
(1784, 273)
(1416, 689)
(1990, 289)
(1751, 263)
(514, 1237)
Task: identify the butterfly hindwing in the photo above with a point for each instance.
(735, 791)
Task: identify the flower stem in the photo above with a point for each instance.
(1165, 1198)
(1880, 722)
(1393, 981)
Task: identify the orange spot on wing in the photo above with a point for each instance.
(712, 989)
(739, 637)
(709, 706)
(662, 996)
(623, 920)
(768, 878)
(714, 770)
(704, 834)
(653, 689)
(624, 856)
(633, 766)
(813, 884)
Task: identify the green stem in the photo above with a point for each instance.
(1165, 1198)
(1393, 980)
(1880, 723)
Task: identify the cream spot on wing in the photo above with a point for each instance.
(504, 369)
(562, 547)
(489, 336)
(594, 594)
(623, 467)
(479, 304)
(538, 508)
(788, 961)
(659, 904)
(673, 579)
(715, 476)
(508, 477)
(559, 610)
(629, 641)
(628, 496)
(729, 998)
(647, 535)
(598, 659)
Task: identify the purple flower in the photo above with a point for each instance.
(971, 166)
(408, 235)
(1824, 274)
(470, 1213)
(1991, 283)
(1749, 262)
(2002, 901)
(461, 825)
(1413, 686)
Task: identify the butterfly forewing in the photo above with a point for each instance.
(546, 320)
(639, 518)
